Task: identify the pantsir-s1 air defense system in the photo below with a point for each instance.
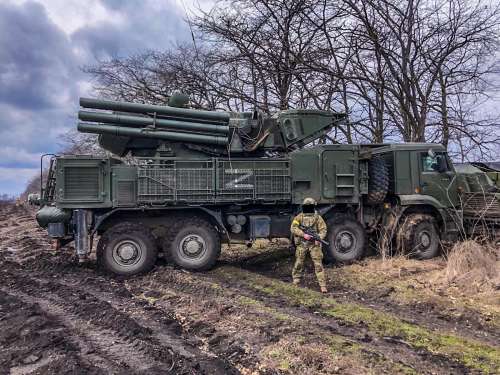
(184, 181)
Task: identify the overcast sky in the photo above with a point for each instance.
(43, 45)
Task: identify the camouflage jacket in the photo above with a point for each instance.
(313, 221)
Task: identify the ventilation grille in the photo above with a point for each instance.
(81, 183)
(481, 205)
(125, 194)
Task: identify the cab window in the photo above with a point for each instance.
(432, 163)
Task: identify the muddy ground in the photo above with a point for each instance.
(58, 317)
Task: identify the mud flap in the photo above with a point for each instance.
(80, 219)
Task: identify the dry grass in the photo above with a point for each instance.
(473, 267)
(296, 357)
(466, 279)
(470, 266)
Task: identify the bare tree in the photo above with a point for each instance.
(415, 70)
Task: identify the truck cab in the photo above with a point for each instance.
(420, 172)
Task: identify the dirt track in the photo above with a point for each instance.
(243, 317)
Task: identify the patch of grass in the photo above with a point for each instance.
(340, 346)
(281, 358)
(468, 352)
(260, 307)
(412, 281)
(150, 300)
(329, 354)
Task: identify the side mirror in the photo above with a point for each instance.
(431, 153)
(442, 164)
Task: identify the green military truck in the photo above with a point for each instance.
(184, 181)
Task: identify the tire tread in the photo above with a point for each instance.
(196, 221)
(378, 183)
(126, 227)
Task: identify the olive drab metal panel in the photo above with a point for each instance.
(340, 175)
(300, 126)
(305, 175)
(215, 180)
(403, 173)
(440, 184)
(124, 183)
(83, 180)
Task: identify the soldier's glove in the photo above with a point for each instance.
(307, 237)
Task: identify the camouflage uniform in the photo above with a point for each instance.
(317, 224)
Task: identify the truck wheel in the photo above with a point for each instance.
(127, 249)
(327, 255)
(378, 182)
(347, 239)
(418, 236)
(194, 245)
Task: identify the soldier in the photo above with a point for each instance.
(308, 218)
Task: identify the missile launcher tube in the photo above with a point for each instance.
(149, 121)
(155, 134)
(160, 110)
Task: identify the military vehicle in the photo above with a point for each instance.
(182, 181)
(492, 170)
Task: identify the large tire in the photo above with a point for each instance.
(327, 255)
(127, 249)
(193, 245)
(418, 236)
(378, 181)
(347, 239)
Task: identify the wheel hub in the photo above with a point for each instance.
(126, 252)
(193, 245)
(425, 239)
(345, 241)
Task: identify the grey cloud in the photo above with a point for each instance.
(40, 75)
(36, 61)
(38, 85)
(145, 28)
(120, 4)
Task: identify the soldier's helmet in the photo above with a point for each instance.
(309, 202)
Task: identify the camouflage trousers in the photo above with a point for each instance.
(317, 258)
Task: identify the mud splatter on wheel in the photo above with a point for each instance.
(194, 244)
(418, 236)
(347, 239)
(127, 249)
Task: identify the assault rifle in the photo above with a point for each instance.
(314, 236)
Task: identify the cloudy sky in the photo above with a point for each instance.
(43, 45)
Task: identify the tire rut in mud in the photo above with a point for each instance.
(101, 317)
(193, 320)
(33, 340)
(391, 348)
(426, 314)
(212, 286)
(117, 337)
